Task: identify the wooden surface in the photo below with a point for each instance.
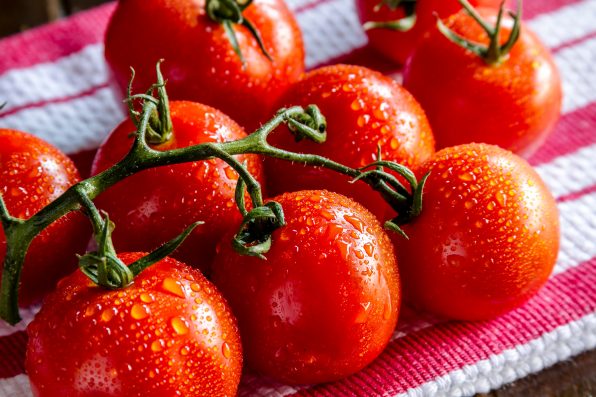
(572, 378)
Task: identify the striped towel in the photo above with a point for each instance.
(56, 84)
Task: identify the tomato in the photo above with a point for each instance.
(155, 205)
(397, 45)
(514, 104)
(487, 238)
(32, 174)
(364, 109)
(325, 302)
(170, 333)
(201, 64)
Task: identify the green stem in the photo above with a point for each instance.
(254, 236)
(494, 53)
(401, 25)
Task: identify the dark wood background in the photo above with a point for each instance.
(573, 378)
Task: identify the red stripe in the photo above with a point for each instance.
(574, 131)
(573, 42)
(425, 355)
(576, 195)
(12, 354)
(54, 41)
(41, 104)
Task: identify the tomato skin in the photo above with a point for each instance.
(200, 62)
(363, 109)
(397, 45)
(169, 333)
(487, 238)
(325, 302)
(155, 205)
(514, 105)
(33, 173)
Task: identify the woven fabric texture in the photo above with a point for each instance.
(57, 86)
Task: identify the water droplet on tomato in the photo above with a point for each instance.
(179, 325)
(139, 312)
(172, 286)
(225, 350)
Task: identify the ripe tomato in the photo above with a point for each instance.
(325, 302)
(170, 333)
(487, 238)
(201, 64)
(397, 45)
(32, 174)
(514, 104)
(364, 109)
(154, 205)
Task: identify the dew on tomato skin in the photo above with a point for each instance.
(108, 314)
(357, 223)
(491, 205)
(179, 325)
(172, 286)
(139, 312)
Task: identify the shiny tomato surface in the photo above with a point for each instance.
(156, 205)
(514, 104)
(34, 173)
(364, 110)
(487, 238)
(170, 333)
(325, 302)
(200, 63)
(397, 45)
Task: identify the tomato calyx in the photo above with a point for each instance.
(494, 53)
(159, 130)
(401, 25)
(228, 13)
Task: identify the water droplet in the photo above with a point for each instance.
(362, 313)
(357, 223)
(184, 350)
(157, 345)
(363, 120)
(467, 176)
(179, 325)
(147, 298)
(231, 174)
(369, 249)
(333, 230)
(108, 314)
(491, 205)
(501, 198)
(139, 312)
(357, 104)
(172, 286)
(394, 143)
(225, 350)
(359, 254)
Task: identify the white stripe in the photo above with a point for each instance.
(79, 124)
(566, 24)
(16, 387)
(571, 172)
(576, 65)
(71, 75)
(499, 369)
(330, 30)
(578, 232)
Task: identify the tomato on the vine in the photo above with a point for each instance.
(364, 110)
(512, 99)
(398, 44)
(487, 238)
(325, 302)
(156, 204)
(170, 333)
(32, 174)
(201, 63)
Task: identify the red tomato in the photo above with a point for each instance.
(325, 302)
(514, 104)
(32, 174)
(201, 64)
(155, 205)
(397, 45)
(170, 333)
(487, 238)
(364, 109)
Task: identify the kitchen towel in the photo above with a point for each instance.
(57, 87)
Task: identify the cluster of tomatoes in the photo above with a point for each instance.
(325, 302)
